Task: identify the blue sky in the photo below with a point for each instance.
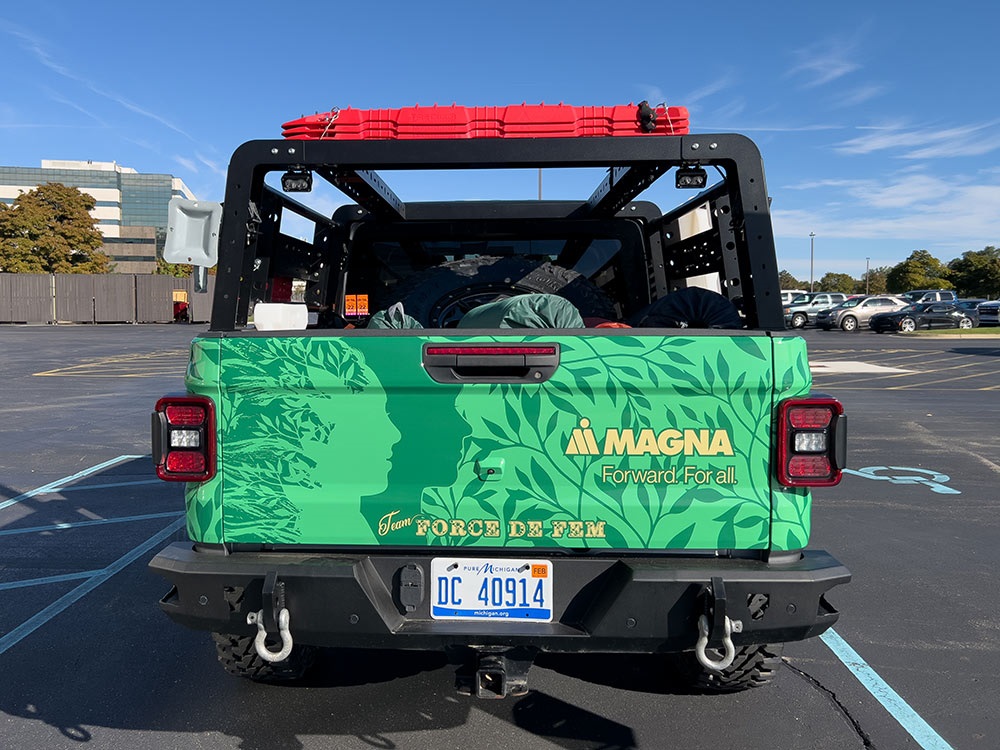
(879, 122)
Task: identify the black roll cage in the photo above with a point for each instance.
(739, 246)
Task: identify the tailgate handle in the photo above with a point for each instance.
(490, 363)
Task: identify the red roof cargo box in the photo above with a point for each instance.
(515, 121)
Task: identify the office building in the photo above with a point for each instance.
(131, 210)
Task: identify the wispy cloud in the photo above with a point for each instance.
(710, 89)
(926, 142)
(58, 98)
(825, 61)
(858, 96)
(213, 165)
(928, 211)
(782, 128)
(188, 164)
(37, 48)
(691, 99)
(908, 190)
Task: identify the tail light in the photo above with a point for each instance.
(184, 438)
(812, 442)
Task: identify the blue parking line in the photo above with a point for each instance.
(47, 579)
(52, 486)
(94, 522)
(32, 624)
(900, 710)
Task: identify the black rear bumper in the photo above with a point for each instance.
(640, 604)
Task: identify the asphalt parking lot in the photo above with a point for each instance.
(87, 657)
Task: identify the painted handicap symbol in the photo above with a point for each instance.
(907, 475)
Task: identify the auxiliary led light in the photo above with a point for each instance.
(691, 178)
(297, 181)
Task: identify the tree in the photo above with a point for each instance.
(50, 230)
(787, 281)
(875, 282)
(837, 282)
(920, 271)
(977, 273)
(179, 270)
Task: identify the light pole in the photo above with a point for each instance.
(866, 275)
(812, 255)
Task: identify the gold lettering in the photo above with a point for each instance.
(720, 444)
(619, 442)
(492, 529)
(594, 529)
(475, 527)
(646, 444)
(534, 528)
(575, 529)
(695, 442)
(385, 522)
(669, 442)
(558, 529)
(515, 529)
(457, 527)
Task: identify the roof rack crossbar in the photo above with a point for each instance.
(368, 189)
(620, 186)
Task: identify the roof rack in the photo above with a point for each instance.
(515, 121)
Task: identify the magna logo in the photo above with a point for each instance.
(648, 442)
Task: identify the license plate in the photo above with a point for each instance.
(466, 588)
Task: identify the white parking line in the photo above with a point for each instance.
(47, 579)
(95, 522)
(842, 367)
(57, 484)
(32, 624)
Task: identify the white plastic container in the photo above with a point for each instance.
(280, 316)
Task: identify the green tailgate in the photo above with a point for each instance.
(638, 442)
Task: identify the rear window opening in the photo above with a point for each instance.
(611, 240)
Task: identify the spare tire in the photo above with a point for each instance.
(691, 307)
(440, 296)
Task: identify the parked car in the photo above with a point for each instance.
(787, 295)
(856, 312)
(989, 313)
(970, 304)
(931, 295)
(924, 315)
(803, 309)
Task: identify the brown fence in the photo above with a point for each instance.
(111, 298)
(26, 298)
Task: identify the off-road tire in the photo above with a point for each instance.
(754, 666)
(238, 656)
(849, 324)
(440, 296)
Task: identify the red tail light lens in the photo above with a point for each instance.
(185, 462)
(184, 438)
(812, 442)
(186, 415)
(809, 417)
(809, 466)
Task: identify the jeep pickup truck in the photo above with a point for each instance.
(492, 424)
